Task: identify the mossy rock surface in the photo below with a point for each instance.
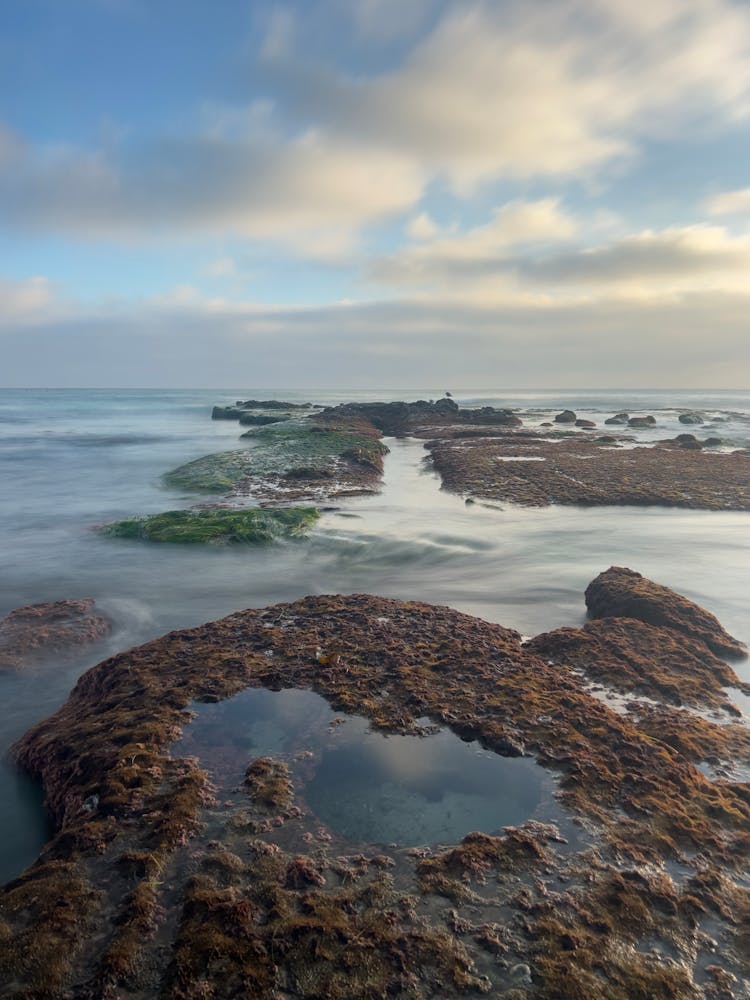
(279, 448)
(243, 527)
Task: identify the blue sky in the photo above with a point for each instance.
(372, 192)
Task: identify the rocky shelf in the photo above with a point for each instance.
(634, 885)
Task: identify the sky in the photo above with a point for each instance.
(363, 193)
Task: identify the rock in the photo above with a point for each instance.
(690, 418)
(585, 423)
(641, 421)
(271, 404)
(546, 424)
(566, 417)
(258, 420)
(620, 592)
(401, 418)
(41, 630)
(226, 413)
(686, 437)
(619, 418)
(605, 439)
(218, 527)
(691, 445)
(153, 885)
(712, 442)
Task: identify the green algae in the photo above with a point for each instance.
(278, 449)
(244, 527)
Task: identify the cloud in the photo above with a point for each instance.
(28, 301)
(486, 91)
(697, 341)
(310, 193)
(730, 203)
(497, 263)
(518, 90)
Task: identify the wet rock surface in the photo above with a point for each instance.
(577, 470)
(38, 631)
(339, 456)
(157, 886)
(402, 418)
(620, 592)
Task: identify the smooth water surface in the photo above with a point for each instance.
(366, 786)
(70, 460)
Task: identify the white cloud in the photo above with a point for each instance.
(222, 267)
(27, 300)
(730, 203)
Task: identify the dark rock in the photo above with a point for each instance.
(588, 424)
(686, 437)
(690, 418)
(641, 421)
(226, 413)
(693, 445)
(605, 439)
(566, 417)
(619, 418)
(401, 418)
(271, 404)
(40, 630)
(712, 442)
(258, 420)
(622, 593)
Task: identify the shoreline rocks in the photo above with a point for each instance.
(620, 592)
(155, 886)
(38, 631)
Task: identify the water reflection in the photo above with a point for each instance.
(364, 785)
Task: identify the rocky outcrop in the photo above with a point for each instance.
(399, 419)
(566, 417)
(576, 470)
(38, 631)
(155, 887)
(641, 421)
(690, 418)
(618, 418)
(585, 424)
(636, 658)
(622, 593)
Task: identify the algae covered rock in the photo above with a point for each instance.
(156, 886)
(57, 627)
(620, 592)
(341, 455)
(243, 527)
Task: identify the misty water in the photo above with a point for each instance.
(70, 460)
(369, 787)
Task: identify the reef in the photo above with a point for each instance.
(401, 418)
(160, 882)
(216, 526)
(303, 459)
(37, 631)
(534, 470)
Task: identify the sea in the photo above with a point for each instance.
(74, 459)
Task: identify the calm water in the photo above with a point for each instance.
(70, 460)
(370, 788)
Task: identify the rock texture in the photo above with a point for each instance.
(153, 888)
(620, 592)
(41, 630)
(578, 470)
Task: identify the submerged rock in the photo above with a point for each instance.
(238, 527)
(622, 593)
(566, 417)
(342, 455)
(618, 418)
(690, 418)
(152, 887)
(38, 631)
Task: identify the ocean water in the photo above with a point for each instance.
(70, 460)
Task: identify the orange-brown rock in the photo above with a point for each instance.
(631, 656)
(620, 592)
(41, 630)
(151, 887)
(577, 470)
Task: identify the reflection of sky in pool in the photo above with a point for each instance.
(363, 784)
